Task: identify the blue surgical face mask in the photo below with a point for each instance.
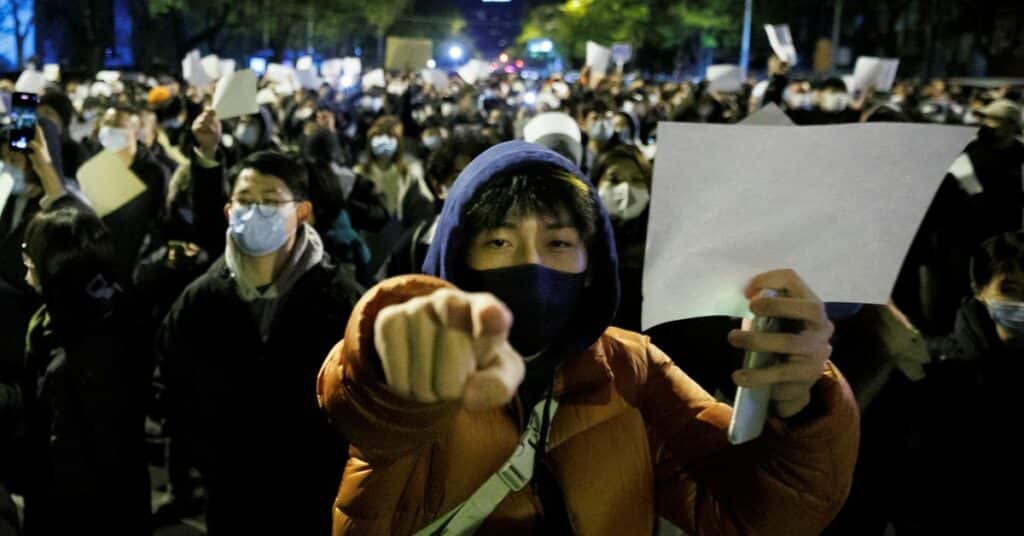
(432, 142)
(173, 123)
(384, 146)
(259, 229)
(1008, 314)
(248, 134)
(601, 130)
(17, 176)
(543, 301)
(113, 138)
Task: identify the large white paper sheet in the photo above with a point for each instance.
(108, 183)
(407, 54)
(622, 52)
(769, 115)
(211, 64)
(307, 78)
(332, 69)
(352, 66)
(437, 78)
(30, 82)
(724, 78)
(474, 70)
(374, 78)
(227, 67)
(879, 73)
(51, 72)
(598, 57)
(781, 40)
(193, 72)
(838, 204)
(236, 95)
(278, 73)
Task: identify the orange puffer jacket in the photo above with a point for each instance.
(633, 437)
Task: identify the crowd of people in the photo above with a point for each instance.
(342, 312)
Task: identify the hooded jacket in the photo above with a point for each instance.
(633, 435)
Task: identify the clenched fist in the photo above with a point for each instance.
(449, 345)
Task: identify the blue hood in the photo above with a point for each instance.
(447, 253)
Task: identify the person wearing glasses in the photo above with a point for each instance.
(243, 343)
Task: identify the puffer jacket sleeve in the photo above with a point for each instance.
(792, 480)
(351, 389)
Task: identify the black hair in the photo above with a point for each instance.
(886, 114)
(619, 153)
(598, 106)
(60, 104)
(533, 189)
(75, 262)
(441, 165)
(1000, 254)
(633, 127)
(325, 192)
(286, 167)
(835, 83)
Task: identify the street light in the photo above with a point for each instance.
(455, 52)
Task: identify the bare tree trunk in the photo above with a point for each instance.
(19, 38)
(380, 48)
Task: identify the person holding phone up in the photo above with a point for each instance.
(492, 396)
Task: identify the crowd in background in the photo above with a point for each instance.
(143, 338)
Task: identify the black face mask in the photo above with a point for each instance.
(987, 135)
(543, 301)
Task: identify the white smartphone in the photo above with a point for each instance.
(750, 409)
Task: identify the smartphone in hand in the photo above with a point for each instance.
(750, 409)
(23, 120)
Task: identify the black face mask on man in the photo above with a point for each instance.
(543, 301)
(988, 135)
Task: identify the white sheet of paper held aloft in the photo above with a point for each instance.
(598, 57)
(236, 95)
(781, 40)
(838, 204)
(108, 183)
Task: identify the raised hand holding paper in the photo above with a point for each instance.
(838, 204)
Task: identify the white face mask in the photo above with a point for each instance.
(12, 176)
(248, 134)
(624, 200)
(113, 139)
(835, 102)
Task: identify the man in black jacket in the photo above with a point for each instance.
(242, 346)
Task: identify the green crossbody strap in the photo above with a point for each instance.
(513, 476)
